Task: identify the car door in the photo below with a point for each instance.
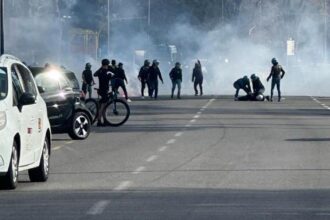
(35, 110)
(25, 118)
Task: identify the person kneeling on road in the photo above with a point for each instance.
(258, 91)
(242, 83)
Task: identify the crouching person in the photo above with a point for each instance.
(244, 84)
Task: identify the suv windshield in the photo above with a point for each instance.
(3, 83)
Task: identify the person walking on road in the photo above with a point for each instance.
(277, 73)
(88, 81)
(197, 78)
(104, 75)
(120, 79)
(143, 77)
(176, 77)
(242, 83)
(153, 75)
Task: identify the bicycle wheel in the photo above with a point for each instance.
(93, 107)
(116, 112)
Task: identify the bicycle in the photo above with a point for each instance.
(116, 111)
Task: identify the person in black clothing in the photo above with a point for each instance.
(104, 75)
(176, 77)
(197, 78)
(119, 80)
(153, 75)
(113, 67)
(277, 73)
(143, 77)
(258, 91)
(242, 83)
(88, 81)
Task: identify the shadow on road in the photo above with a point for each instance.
(309, 139)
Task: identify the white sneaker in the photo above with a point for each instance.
(128, 100)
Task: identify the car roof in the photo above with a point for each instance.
(38, 70)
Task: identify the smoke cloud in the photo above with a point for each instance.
(233, 45)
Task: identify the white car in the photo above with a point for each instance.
(25, 135)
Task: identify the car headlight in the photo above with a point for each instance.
(3, 120)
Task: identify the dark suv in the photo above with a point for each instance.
(60, 90)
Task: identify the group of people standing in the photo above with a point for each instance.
(150, 73)
(149, 76)
(277, 73)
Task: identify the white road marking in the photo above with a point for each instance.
(328, 108)
(139, 170)
(123, 185)
(98, 208)
(193, 121)
(57, 148)
(164, 148)
(196, 116)
(171, 141)
(69, 142)
(179, 134)
(188, 125)
(323, 104)
(152, 158)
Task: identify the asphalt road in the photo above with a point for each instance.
(209, 158)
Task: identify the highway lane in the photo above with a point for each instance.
(209, 158)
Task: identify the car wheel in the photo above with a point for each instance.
(41, 173)
(10, 180)
(80, 126)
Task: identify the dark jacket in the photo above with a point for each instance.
(88, 76)
(154, 73)
(143, 74)
(176, 74)
(197, 74)
(104, 76)
(257, 85)
(276, 71)
(243, 83)
(120, 74)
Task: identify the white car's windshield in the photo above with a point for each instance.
(3, 83)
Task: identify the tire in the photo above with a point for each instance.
(80, 126)
(10, 180)
(116, 117)
(41, 173)
(93, 106)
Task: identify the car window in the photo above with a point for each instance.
(26, 79)
(3, 83)
(73, 80)
(47, 82)
(64, 83)
(17, 85)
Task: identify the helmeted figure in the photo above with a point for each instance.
(153, 75)
(176, 78)
(143, 77)
(277, 73)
